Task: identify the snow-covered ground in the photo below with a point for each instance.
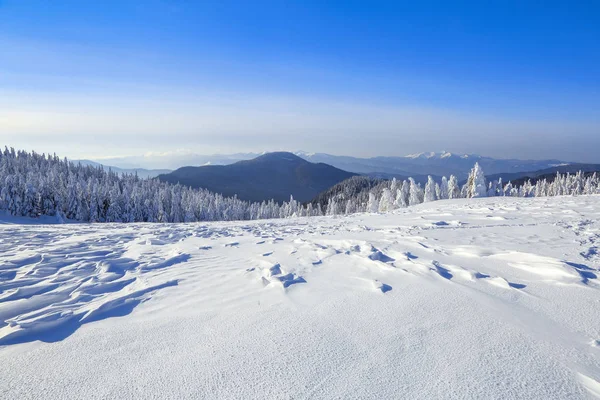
(490, 298)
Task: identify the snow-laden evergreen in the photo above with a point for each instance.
(410, 193)
(34, 185)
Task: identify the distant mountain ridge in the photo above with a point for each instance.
(141, 172)
(417, 165)
(437, 164)
(270, 176)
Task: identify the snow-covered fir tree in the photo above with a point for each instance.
(430, 193)
(453, 188)
(476, 183)
(33, 184)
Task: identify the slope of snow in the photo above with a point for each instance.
(490, 298)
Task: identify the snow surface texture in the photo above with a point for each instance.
(487, 298)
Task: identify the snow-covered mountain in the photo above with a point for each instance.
(484, 298)
(430, 155)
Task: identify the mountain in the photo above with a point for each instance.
(270, 176)
(141, 172)
(437, 164)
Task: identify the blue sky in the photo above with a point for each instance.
(116, 78)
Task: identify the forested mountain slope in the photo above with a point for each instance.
(270, 176)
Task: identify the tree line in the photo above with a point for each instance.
(390, 195)
(33, 185)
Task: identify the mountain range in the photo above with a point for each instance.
(416, 165)
(423, 164)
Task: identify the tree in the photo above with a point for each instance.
(350, 207)
(476, 183)
(402, 199)
(373, 204)
(416, 193)
(430, 194)
(332, 207)
(508, 189)
(444, 189)
(453, 189)
(386, 203)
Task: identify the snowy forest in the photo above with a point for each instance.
(34, 184)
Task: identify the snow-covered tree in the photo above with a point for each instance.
(430, 194)
(386, 203)
(453, 189)
(476, 183)
(444, 189)
(34, 184)
(373, 204)
(403, 196)
(332, 207)
(416, 193)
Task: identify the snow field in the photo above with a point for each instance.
(486, 298)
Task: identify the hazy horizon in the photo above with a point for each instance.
(179, 158)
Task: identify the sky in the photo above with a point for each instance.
(508, 79)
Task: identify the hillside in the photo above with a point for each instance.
(270, 176)
(494, 298)
(355, 188)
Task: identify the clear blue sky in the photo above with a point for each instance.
(101, 78)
